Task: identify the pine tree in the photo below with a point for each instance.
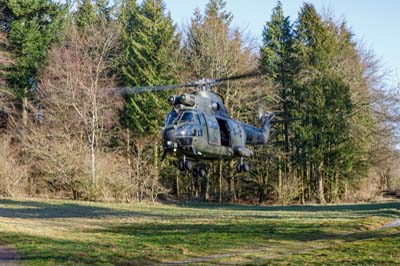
(278, 64)
(32, 26)
(212, 48)
(148, 46)
(5, 57)
(149, 49)
(216, 9)
(85, 15)
(277, 46)
(323, 100)
(103, 10)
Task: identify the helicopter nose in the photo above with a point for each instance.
(169, 137)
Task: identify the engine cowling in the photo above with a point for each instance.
(187, 99)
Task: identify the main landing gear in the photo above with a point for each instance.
(198, 170)
(185, 165)
(242, 166)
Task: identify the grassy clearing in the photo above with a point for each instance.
(79, 233)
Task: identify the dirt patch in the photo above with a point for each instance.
(8, 257)
(392, 224)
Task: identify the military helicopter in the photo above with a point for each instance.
(198, 128)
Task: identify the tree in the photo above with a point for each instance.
(148, 47)
(85, 15)
(277, 62)
(324, 145)
(277, 48)
(5, 57)
(210, 45)
(92, 12)
(80, 110)
(148, 55)
(32, 26)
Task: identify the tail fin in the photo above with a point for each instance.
(266, 125)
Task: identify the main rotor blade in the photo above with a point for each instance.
(134, 90)
(242, 76)
(199, 83)
(286, 120)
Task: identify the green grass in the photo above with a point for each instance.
(48, 232)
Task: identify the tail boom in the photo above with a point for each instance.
(259, 136)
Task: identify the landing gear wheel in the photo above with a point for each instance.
(181, 165)
(188, 165)
(242, 168)
(245, 167)
(239, 168)
(202, 172)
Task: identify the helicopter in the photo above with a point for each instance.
(198, 127)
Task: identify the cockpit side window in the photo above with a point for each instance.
(187, 117)
(201, 120)
(170, 117)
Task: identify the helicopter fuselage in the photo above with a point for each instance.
(199, 127)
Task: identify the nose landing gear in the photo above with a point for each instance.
(197, 170)
(185, 165)
(242, 166)
(200, 171)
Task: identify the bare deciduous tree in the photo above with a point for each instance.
(75, 85)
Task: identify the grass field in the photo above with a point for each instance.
(52, 232)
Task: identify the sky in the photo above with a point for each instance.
(376, 23)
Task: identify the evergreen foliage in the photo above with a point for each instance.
(314, 86)
(32, 26)
(323, 99)
(210, 32)
(216, 9)
(148, 43)
(85, 15)
(277, 48)
(279, 65)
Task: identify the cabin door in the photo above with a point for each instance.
(214, 137)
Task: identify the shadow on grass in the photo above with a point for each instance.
(213, 232)
(385, 209)
(41, 210)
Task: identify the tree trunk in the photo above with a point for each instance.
(263, 187)
(204, 188)
(321, 195)
(233, 189)
(280, 184)
(93, 160)
(128, 155)
(220, 181)
(336, 195)
(24, 111)
(177, 185)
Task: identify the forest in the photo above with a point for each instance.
(65, 132)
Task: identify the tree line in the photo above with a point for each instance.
(66, 131)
